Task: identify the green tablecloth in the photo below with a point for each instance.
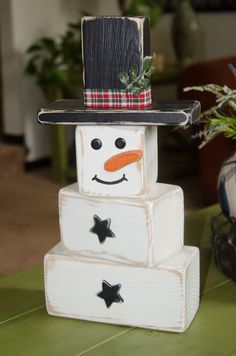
(27, 329)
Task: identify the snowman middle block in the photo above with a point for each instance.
(116, 161)
(132, 231)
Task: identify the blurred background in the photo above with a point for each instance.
(41, 62)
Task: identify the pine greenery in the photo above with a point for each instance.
(220, 118)
(134, 81)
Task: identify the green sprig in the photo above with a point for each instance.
(134, 81)
(216, 120)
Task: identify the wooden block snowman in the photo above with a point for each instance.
(121, 259)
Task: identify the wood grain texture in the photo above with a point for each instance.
(145, 231)
(112, 45)
(72, 112)
(133, 180)
(152, 298)
(25, 323)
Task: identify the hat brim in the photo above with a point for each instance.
(73, 112)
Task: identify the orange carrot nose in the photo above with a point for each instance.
(122, 159)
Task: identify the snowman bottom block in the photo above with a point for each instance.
(126, 230)
(163, 298)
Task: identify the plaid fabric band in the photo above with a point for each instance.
(116, 99)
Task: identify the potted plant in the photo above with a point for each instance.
(56, 66)
(221, 119)
(56, 63)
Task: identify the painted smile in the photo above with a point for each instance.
(112, 182)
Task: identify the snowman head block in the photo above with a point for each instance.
(116, 161)
(116, 141)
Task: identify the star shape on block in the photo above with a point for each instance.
(102, 229)
(110, 293)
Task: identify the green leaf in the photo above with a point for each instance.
(135, 90)
(34, 48)
(148, 8)
(134, 72)
(124, 77)
(129, 86)
(144, 83)
(149, 72)
(75, 26)
(147, 63)
(68, 36)
(31, 67)
(49, 45)
(53, 76)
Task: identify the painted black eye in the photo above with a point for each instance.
(96, 144)
(120, 143)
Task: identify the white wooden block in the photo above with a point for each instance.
(164, 298)
(95, 145)
(137, 231)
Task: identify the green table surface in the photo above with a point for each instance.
(27, 329)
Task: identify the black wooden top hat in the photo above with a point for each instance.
(116, 62)
(112, 45)
(115, 53)
(73, 112)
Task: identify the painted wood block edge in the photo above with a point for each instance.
(148, 298)
(162, 113)
(144, 232)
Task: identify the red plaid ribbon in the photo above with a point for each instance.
(116, 99)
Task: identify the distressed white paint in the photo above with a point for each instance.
(164, 298)
(141, 175)
(146, 230)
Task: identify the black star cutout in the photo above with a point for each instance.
(102, 229)
(110, 293)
